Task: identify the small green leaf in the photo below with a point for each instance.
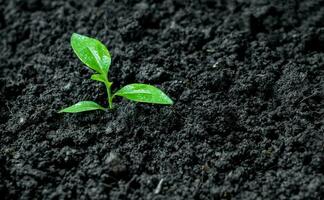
(97, 77)
(144, 93)
(82, 106)
(91, 52)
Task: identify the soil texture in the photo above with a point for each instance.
(247, 79)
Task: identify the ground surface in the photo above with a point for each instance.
(246, 77)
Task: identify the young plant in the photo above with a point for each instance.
(97, 57)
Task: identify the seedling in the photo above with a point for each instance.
(96, 56)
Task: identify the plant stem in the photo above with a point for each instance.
(108, 86)
(109, 96)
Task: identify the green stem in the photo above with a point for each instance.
(110, 97)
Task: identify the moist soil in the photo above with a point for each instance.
(246, 77)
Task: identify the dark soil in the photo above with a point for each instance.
(247, 78)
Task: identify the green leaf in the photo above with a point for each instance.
(82, 106)
(91, 52)
(144, 93)
(97, 77)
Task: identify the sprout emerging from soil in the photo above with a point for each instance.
(96, 56)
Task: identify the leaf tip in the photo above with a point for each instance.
(60, 111)
(168, 101)
(74, 35)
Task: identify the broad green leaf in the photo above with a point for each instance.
(144, 93)
(82, 106)
(91, 52)
(98, 77)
